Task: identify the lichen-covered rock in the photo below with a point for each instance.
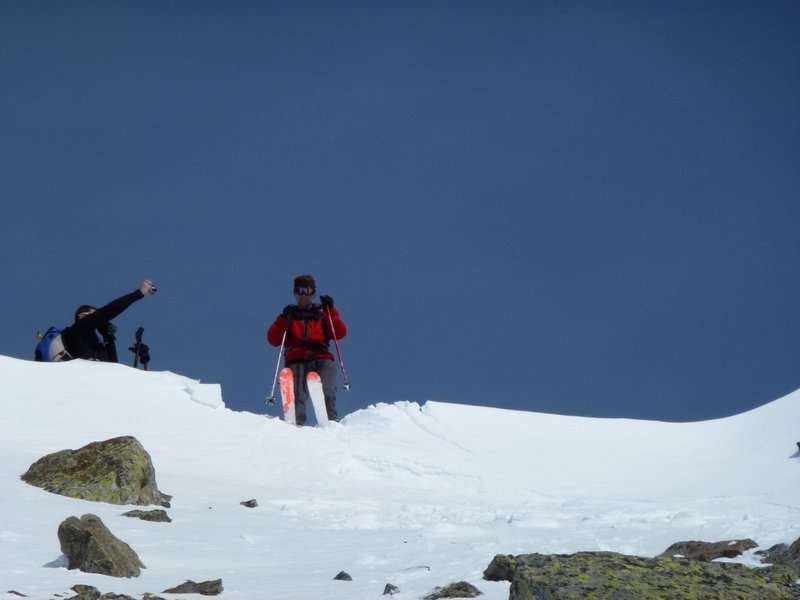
(90, 547)
(116, 471)
(710, 550)
(501, 568)
(607, 576)
(460, 589)
(157, 515)
(87, 592)
(204, 588)
(84, 592)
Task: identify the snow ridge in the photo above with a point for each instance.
(409, 494)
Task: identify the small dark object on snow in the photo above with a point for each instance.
(342, 576)
(390, 590)
(16, 593)
(249, 503)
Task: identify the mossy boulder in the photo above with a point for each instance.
(204, 588)
(156, 516)
(459, 589)
(608, 575)
(90, 547)
(116, 471)
(88, 592)
(501, 568)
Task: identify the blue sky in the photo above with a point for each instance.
(587, 208)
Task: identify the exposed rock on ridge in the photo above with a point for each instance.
(117, 471)
(608, 575)
(90, 547)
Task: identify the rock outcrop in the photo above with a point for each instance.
(156, 515)
(90, 547)
(460, 589)
(204, 588)
(117, 471)
(781, 554)
(608, 575)
(707, 551)
(88, 592)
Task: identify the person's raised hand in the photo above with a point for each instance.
(147, 287)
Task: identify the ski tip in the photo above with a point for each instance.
(313, 376)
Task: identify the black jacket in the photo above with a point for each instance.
(80, 338)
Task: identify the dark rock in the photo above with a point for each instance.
(84, 592)
(783, 555)
(16, 593)
(501, 568)
(462, 589)
(342, 576)
(205, 588)
(117, 471)
(390, 590)
(87, 592)
(249, 503)
(607, 576)
(92, 548)
(707, 551)
(149, 596)
(156, 515)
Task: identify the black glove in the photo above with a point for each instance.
(326, 301)
(288, 311)
(107, 331)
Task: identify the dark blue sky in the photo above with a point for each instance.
(586, 208)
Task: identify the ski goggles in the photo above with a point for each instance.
(305, 291)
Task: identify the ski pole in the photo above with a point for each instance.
(135, 347)
(345, 382)
(271, 397)
(141, 352)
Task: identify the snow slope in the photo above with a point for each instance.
(416, 496)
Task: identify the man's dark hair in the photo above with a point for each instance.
(83, 308)
(304, 281)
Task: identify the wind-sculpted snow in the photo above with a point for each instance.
(403, 493)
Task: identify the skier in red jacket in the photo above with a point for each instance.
(308, 334)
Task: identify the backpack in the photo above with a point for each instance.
(51, 347)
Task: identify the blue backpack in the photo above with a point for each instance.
(51, 347)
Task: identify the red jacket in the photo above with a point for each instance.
(309, 332)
